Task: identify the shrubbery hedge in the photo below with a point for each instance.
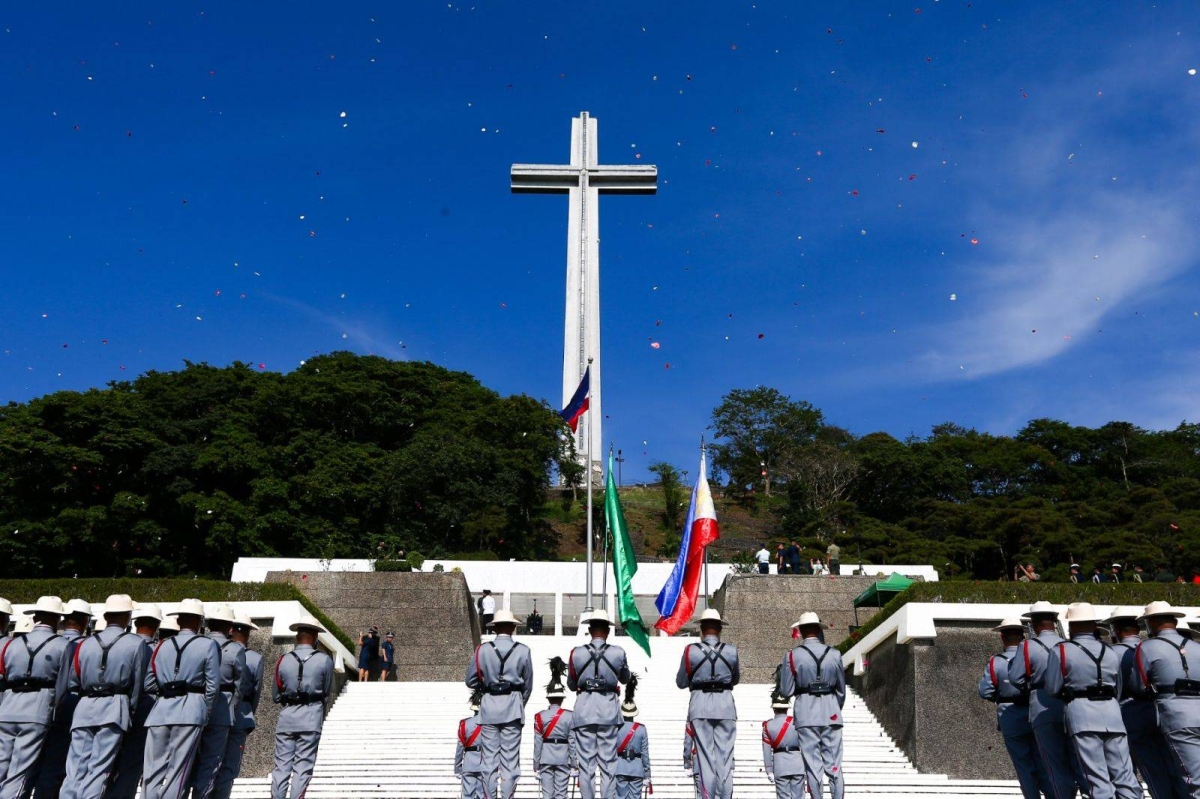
(1183, 594)
(166, 590)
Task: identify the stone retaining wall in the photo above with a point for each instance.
(759, 611)
(432, 615)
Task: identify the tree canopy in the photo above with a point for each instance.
(348, 456)
(970, 503)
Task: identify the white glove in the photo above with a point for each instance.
(771, 778)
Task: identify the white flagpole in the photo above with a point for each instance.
(588, 465)
(704, 477)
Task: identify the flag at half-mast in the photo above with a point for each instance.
(579, 402)
(677, 601)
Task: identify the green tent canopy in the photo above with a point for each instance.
(878, 594)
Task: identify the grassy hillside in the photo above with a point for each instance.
(743, 528)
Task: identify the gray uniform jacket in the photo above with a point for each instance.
(504, 670)
(233, 669)
(251, 691)
(1079, 666)
(781, 748)
(633, 759)
(554, 741)
(596, 671)
(1160, 662)
(1028, 671)
(1012, 704)
(820, 690)
(710, 669)
(304, 686)
(109, 683)
(468, 759)
(42, 672)
(185, 673)
(1137, 712)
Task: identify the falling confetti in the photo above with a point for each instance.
(915, 145)
(953, 297)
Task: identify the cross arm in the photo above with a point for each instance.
(626, 179)
(543, 178)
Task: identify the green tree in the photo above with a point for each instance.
(758, 430)
(672, 494)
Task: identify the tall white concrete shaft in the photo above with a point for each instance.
(584, 180)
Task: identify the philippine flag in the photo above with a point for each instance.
(579, 401)
(677, 601)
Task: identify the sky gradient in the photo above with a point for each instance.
(977, 212)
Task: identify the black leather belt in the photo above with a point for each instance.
(786, 749)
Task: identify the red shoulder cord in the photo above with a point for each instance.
(1028, 669)
(1062, 659)
(687, 660)
(992, 672)
(154, 658)
(278, 678)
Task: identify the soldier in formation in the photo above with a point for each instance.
(468, 762)
(1098, 711)
(783, 761)
(304, 687)
(633, 749)
(134, 703)
(709, 670)
(595, 672)
(812, 672)
(503, 669)
(1012, 712)
(554, 750)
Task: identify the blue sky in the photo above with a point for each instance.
(870, 206)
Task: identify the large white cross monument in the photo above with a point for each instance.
(584, 180)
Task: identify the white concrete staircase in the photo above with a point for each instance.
(397, 739)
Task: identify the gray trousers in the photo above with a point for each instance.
(714, 756)
(1057, 755)
(231, 763)
(92, 761)
(1022, 751)
(1149, 753)
(472, 786)
(208, 761)
(1185, 752)
(596, 747)
(822, 751)
(170, 752)
(629, 787)
(295, 756)
(789, 787)
(554, 781)
(53, 768)
(20, 747)
(501, 758)
(1104, 760)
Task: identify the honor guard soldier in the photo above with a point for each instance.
(106, 672)
(304, 687)
(31, 664)
(1147, 747)
(812, 672)
(244, 719)
(215, 737)
(53, 767)
(1163, 670)
(633, 749)
(504, 670)
(1012, 712)
(146, 619)
(1027, 671)
(185, 674)
(468, 761)
(709, 670)
(554, 738)
(1086, 675)
(783, 762)
(596, 671)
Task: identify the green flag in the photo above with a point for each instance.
(624, 564)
